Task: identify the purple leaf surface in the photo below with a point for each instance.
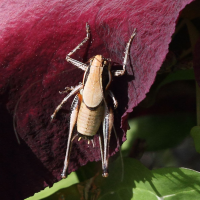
(35, 38)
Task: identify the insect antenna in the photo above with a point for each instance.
(15, 111)
(18, 101)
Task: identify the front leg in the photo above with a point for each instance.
(127, 49)
(74, 91)
(75, 62)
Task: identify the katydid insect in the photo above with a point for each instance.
(90, 109)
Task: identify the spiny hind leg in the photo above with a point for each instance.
(107, 129)
(73, 119)
(74, 91)
(73, 61)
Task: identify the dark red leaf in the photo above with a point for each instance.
(35, 38)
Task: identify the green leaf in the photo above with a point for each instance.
(177, 183)
(64, 183)
(139, 183)
(159, 131)
(195, 133)
(163, 79)
(178, 75)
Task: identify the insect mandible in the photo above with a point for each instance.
(89, 109)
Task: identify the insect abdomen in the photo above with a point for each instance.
(89, 121)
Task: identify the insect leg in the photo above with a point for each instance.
(73, 119)
(127, 49)
(107, 129)
(110, 93)
(75, 62)
(74, 91)
(101, 150)
(67, 89)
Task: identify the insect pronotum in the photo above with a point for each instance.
(90, 109)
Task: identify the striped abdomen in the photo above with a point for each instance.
(89, 121)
